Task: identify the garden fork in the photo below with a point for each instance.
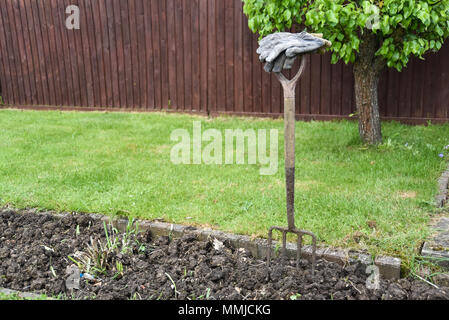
(289, 137)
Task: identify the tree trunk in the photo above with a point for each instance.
(367, 68)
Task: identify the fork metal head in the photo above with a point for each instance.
(300, 234)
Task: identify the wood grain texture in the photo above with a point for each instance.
(6, 73)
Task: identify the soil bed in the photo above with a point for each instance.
(35, 250)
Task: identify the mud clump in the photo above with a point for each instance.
(35, 250)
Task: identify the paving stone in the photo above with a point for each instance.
(441, 280)
(389, 267)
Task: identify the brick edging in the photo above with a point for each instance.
(389, 267)
(443, 183)
(438, 246)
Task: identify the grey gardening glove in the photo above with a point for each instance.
(279, 50)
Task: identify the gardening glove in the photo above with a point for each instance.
(279, 50)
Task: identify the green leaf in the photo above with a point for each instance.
(332, 17)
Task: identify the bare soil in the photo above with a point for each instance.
(34, 250)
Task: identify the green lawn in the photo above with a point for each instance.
(119, 163)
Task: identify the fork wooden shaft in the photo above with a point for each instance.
(289, 136)
(289, 87)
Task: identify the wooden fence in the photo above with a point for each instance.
(181, 55)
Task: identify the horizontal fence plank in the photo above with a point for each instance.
(187, 56)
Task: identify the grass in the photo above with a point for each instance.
(374, 198)
(15, 296)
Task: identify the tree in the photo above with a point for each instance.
(371, 34)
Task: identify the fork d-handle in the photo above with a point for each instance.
(289, 139)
